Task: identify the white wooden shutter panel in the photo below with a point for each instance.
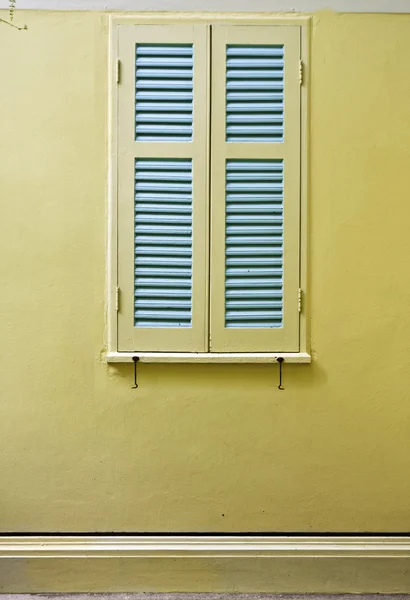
(162, 195)
(255, 173)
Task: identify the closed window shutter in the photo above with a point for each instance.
(162, 173)
(255, 174)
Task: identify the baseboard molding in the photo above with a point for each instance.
(205, 564)
(199, 546)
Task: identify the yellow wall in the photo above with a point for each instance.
(203, 447)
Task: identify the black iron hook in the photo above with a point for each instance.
(281, 360)
(135, 359)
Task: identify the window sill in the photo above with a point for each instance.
(208, 357)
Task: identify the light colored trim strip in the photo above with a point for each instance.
(352, 6)
(285, 564)
(197, 547)
(208, 357)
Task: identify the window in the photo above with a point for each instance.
(207, 189)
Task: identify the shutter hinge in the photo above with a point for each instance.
(117, 299)
(118, 70)
(301, 72)
(300, 297)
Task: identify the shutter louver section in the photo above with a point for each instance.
(163, 243)
(254, 93)
(254, 244)
(163, 92)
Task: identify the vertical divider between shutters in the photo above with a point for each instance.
(209, 189)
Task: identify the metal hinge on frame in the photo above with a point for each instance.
(300, 299)
(118, 70)
(117, 299)
(301, 72)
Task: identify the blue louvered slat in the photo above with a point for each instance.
(254, 93)
(163, 243)
(254, 244)
(163, 92)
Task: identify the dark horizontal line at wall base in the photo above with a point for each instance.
(199, 563)
(322, 534)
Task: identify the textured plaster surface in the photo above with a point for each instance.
(203, 448)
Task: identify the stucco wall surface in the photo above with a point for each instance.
(203, 447)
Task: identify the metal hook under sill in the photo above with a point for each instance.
(280, 360)
(135, 359)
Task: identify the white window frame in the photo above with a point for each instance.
(113, 299)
